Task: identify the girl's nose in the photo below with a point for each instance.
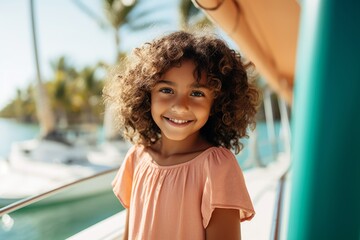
(180, 104)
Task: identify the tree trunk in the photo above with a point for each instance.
(44, 113)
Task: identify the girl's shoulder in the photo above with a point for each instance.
(218, 154)
(220, 158)
(222, 151)
(134, 152)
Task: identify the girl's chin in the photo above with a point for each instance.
(178, 136)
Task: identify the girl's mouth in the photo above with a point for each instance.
(178, 121)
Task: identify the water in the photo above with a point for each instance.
(61, 220)
(12, 131)
(52, 221)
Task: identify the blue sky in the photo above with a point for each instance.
(64, 30)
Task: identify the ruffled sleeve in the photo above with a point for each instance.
(224, 186)
(122, 183)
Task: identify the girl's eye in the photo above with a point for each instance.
(166, 90)
(197, 94)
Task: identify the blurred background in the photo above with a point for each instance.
(55, 57)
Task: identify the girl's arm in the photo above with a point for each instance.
(126, 230)
(224, 224)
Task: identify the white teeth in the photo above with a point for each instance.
(178, 121)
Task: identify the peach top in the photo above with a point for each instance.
(176, 202)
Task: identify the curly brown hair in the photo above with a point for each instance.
(236, 99)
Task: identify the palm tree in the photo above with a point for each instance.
(60, 88)
(117, 12)
(192, 17)
(45, 115)
(89, 90)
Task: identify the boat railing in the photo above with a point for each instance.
(33, 199)
(279, 208)
(264, 149)
(285, 138)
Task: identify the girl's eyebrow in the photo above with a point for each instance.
(193, 85)
(199, 85)
(166, 82)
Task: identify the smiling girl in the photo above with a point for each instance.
(185, 101)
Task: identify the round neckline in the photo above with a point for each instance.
(155, 164)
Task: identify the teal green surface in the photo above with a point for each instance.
(326, 144)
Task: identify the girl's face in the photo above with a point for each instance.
(180, 106)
